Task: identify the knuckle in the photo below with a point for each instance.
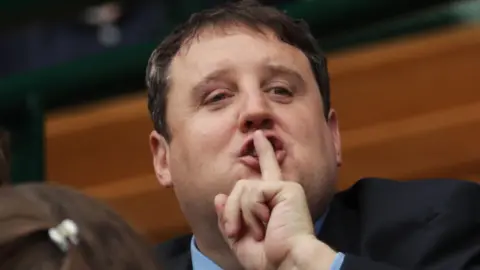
(239, 186)
(242, 183)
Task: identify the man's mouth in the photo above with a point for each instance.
(248, 148)
(249, 156)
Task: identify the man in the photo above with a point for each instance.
(245, 135)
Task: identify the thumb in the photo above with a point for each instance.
(220, 201)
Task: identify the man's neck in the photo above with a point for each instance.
(218, 251)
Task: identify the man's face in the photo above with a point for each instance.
(224, 86)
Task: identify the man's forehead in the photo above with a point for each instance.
(220, 48)
(215, 32)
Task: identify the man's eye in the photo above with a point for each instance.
(217, 97)
(282, 91)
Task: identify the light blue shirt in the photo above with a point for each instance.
(201, 262)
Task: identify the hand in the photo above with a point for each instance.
(264, 221)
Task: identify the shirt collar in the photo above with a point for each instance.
(200, 261)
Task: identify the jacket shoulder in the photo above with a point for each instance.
(174, 252)
(432, 188)
(402, 199)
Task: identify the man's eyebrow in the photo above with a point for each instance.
(208, 78)
(276, 69)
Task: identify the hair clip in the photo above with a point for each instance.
(64, 234)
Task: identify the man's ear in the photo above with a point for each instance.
(161, 157)
(334, 129)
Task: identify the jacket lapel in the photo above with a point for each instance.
(175, 254)
(341, 228)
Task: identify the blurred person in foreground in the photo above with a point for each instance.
(245, 135)
(48, 227)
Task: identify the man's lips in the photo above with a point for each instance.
(254, 162)
(248, 147)
(249, 156)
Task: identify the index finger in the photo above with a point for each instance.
(266, 155)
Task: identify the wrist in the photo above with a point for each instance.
(308, 253)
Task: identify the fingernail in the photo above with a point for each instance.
(228, 228)
(258, 133)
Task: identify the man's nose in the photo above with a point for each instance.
(256, 114)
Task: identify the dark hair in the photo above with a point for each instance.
(28, 211)
(245, 13)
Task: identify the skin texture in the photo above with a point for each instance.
(225, 85)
